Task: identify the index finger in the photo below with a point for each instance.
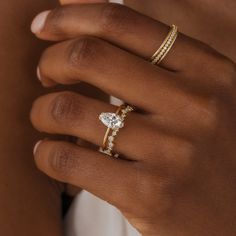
(121, 26)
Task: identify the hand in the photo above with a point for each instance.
(177, 176)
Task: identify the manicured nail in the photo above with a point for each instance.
(39, 74)
(39, 22)
(36, 146)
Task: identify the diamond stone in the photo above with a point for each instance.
(111, 138)
(111, 120)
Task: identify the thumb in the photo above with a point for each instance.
(82, 1)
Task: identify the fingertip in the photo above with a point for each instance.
(46, 82)
(36, 147)
(39, 22)
(39, 76)
(41, 155)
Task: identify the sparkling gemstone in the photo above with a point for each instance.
(116, 155)
(111, 120)
(111, 145)
(111, 138)
(114, 133)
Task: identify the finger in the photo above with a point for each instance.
(130, 78)
(111, 69)
(122, 26)
(110, 179)
(72, 114)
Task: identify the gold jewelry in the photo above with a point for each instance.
(114, 122)
(163, 50)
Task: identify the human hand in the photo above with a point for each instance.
(177, 175)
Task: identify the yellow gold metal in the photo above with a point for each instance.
(108, 141)
(165, 47)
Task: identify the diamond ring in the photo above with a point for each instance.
(114, 122)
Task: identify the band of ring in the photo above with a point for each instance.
(165, 47)
(108, 141)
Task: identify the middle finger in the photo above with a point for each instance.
(113, 70)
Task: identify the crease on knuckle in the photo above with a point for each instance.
(227, 76)
(82, 53)
(223, 72)
(209, 115)
(66, 108)
(115, 18)
(148, 184)
(64, 160)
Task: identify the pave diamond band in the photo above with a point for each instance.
(114, 122)
(163, 50)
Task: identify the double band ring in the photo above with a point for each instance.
(114, 122)
(163, 50)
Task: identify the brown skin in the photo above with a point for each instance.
(26, 195)
(30, 202)
(178, 176)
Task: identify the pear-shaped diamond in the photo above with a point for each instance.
(111, 120)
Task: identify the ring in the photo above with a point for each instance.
(114, 122)
(163, 50)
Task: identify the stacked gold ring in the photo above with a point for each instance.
(163, 50)
(114, 122)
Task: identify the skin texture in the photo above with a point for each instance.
(26, 194)
(177, 176)
(211, 21)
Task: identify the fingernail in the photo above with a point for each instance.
(39, 22)
(39, 74)
(36, 146)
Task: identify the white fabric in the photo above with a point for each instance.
(90, 216)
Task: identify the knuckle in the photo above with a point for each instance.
(227, 75)
(149, 184)
(63, 160)
(83, 52)
(209, 115)
(65, 107)
(115, 18)
(224, 72)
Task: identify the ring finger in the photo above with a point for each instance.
(73, 114)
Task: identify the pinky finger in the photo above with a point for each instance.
(110, 179)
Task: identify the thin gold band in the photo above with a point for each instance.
(165, 47)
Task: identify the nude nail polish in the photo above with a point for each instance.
(39, 74)
(39, 22)
(36, 146)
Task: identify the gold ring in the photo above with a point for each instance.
(114, 122)
(163, 50)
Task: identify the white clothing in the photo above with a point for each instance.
(91, 216)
